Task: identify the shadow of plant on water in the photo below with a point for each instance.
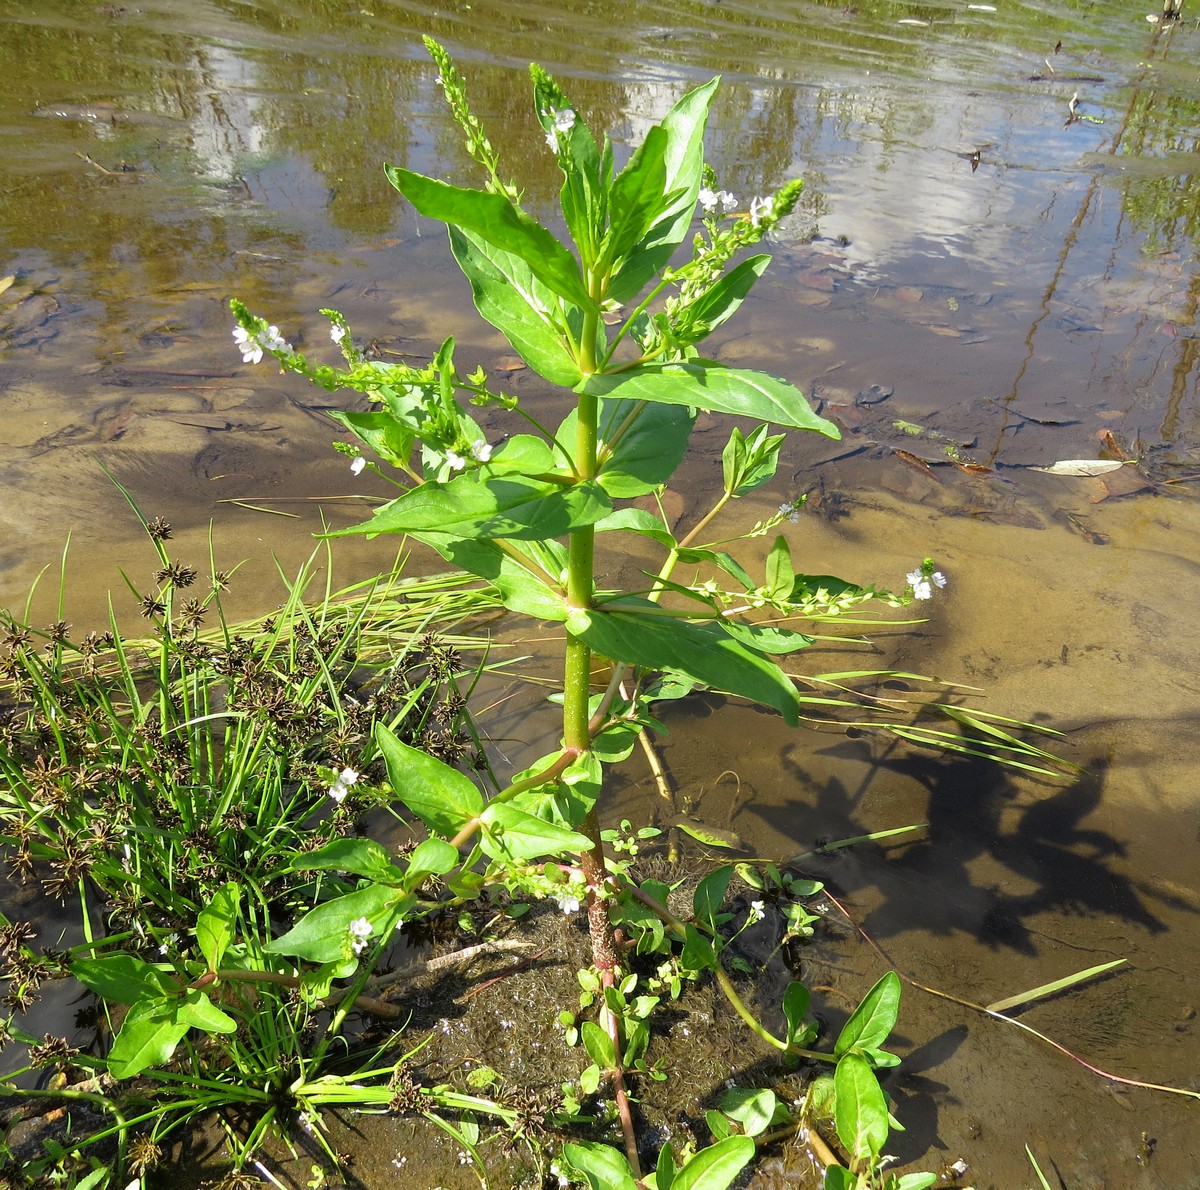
(983, 834)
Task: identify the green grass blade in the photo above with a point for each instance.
(1049, 989)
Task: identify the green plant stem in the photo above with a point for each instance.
(699, 527)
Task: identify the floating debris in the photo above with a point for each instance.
(1084, 467)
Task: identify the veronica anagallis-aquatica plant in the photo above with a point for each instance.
(613, 315)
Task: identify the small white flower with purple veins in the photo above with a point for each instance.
(252, 353)
(757, 912)
(360, 934)
(357, 464)
(272, 340)
(337, 333)
(568, 904)
(341, 786)
(922, 583)
(481, 451)
(455, 461)
(564, 121)
(710, 200)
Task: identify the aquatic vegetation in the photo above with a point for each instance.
(524, 513)
(215, 792)
(153, 782)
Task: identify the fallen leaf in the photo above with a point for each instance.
(912, 460)
(1085, 467)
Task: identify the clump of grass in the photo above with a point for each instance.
(143, 773)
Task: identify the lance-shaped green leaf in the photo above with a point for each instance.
(525, 454)
(837, 1177)
(765, 639)
(598, 1044)
(640, 454)
(780, 577)
(441, 797)
(584, 193)
(600, 1165)
(512, 833)
(361, 857)
(215, 925)
(719, 301)
(684, 161)
(698, 953)
(860, 1109)
(525, 589)
(874, 1018)
(123, 979)
(705, 652)
(715, 1167)
(753, 1107)
(323, 935)
(795, 1011)
(510, 506)
(722, 561)
(148, 1037)
(637, 520)
(510, 297)
(435, 856)
(635, 198)
(709, 385)
(197, 1011)
(749, 462)
(710, 892)
(497, 221)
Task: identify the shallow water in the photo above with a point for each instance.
(1036, 304)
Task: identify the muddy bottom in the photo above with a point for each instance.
(494, 1027)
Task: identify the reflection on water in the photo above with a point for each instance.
(994, 264)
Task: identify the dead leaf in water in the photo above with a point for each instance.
(1082, 467)
(913, 460)
(1126, 482)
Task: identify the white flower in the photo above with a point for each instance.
(480, 451)
(360, 932)
(455, 461)
(921, 587)
(759, 207)
(337, 333)
(252, 353)
(169, 943)
(564, 121)
(253, 346)
(711, 199)
(341, 786)
(922, 584)
(272, 340)
(757, 912)
(568, 904)
(357, 464)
